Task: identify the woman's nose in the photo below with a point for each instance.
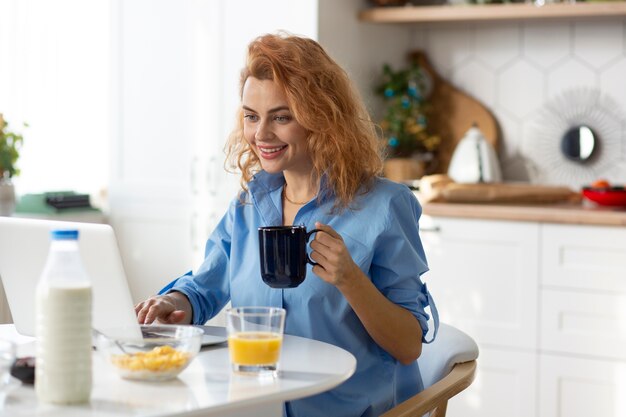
(263, 131)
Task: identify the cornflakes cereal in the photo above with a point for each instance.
(162, 360)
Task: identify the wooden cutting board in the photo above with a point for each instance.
(441, 188)
(506, 193)
(453, 113)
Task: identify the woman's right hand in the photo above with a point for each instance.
(172, 308)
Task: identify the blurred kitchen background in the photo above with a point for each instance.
(131, 101)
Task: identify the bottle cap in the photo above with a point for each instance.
(64, 234)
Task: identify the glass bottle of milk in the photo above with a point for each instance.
(63, 324)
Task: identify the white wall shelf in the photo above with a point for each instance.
(490, 12)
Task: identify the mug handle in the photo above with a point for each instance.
(308, 236)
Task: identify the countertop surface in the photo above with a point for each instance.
(583, 213)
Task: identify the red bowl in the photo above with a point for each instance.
(614, 196)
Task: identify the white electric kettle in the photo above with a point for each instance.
(474, 160)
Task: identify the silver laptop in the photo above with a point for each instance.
(24, 245)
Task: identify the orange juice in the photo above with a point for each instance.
(254, 348)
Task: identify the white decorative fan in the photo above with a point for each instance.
(579, 107)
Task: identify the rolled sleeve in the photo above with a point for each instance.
(399, 261)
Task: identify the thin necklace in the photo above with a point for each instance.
(297, 203)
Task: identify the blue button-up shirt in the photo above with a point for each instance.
(381, 233)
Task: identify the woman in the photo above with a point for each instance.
(309, 155)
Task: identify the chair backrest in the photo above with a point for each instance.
(447, 366)
(451, 346)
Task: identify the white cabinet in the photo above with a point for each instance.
(591, 324)
(483, 277)
(582, 340)
(547, 305)
(581, 387)
(473, 265)
(155, 128)
(584, 257)
(505, 385)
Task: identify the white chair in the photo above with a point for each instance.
(448, 366)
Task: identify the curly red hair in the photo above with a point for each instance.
(342, 141)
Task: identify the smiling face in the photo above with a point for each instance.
(270, 128)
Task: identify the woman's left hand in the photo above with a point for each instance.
(391, 326)
(330, 252)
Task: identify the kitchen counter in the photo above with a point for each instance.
(541, 289)
(567, 213)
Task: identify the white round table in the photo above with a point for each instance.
(206, 388)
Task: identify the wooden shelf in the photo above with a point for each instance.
(511, 11)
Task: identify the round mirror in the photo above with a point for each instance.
(578, 143)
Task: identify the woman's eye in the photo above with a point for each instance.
(250, 117)
(282, 119)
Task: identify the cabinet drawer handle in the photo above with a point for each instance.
(431, 229)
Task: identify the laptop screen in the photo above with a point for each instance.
(24, 245)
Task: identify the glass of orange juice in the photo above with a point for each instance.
(255, 336)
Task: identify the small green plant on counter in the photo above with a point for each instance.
(405, 124)
(10, 144)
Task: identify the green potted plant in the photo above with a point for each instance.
(409, 143)
(10, 144)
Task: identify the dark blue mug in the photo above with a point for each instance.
(284, 255)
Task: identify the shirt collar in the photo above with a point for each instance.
(265, 193)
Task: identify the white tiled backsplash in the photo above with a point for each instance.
(516, 69)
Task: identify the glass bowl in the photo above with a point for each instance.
(149, 352)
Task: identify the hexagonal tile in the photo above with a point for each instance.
(449, 47)
(598, 43)
(497, 44)
(512, 162)
(545, 45)
(612, 82)
(476, 80)
(511, 129)
(520, 88)
(516, 168)
(569, 74)
(419, 37)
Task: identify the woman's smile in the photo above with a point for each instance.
(271, 152)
